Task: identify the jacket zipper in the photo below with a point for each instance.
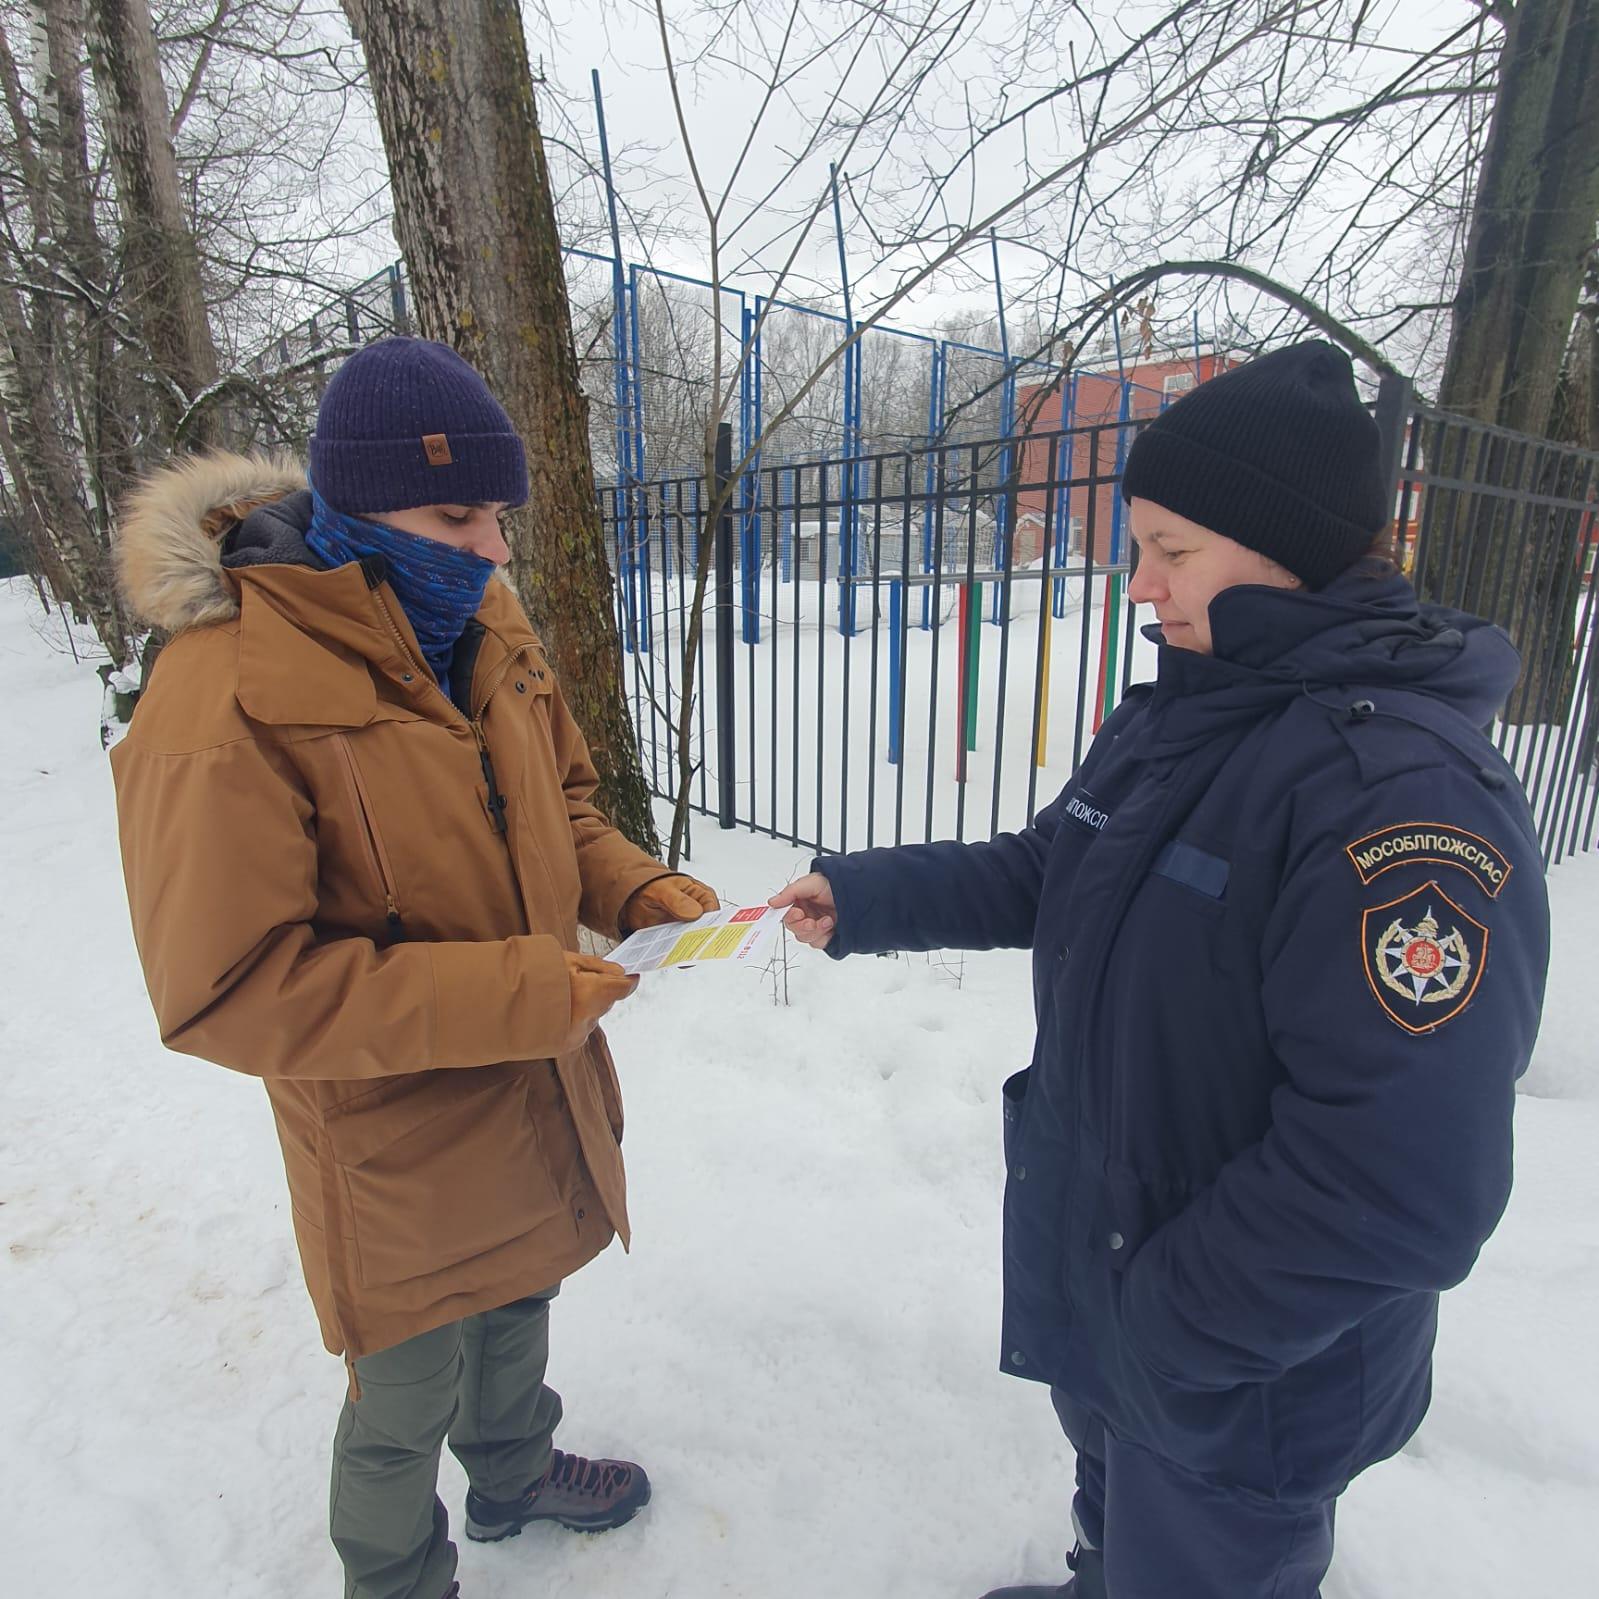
(422, 673)
(496, 800)
(512, 658)
(377, 855)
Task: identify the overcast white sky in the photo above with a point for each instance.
(622, 40)
(568, 38)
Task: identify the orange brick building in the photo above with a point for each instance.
(1091, 400)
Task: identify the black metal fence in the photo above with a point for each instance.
(1506, 526)
(919, 645)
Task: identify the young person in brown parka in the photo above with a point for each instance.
(359, 837)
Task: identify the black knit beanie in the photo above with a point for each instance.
(1278, 454)
(407, 422)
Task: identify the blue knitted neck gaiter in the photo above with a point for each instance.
(440, 585)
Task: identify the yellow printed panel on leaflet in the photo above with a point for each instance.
(688, 947)
(724, 943)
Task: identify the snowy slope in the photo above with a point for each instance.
(802, 1345)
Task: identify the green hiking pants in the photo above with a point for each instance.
(478, 1383)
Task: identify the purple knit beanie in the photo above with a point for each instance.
(407, 422)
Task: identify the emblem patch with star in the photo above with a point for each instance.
(1424, 957)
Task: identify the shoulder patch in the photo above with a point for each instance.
(1424, 957)
(1432, 843)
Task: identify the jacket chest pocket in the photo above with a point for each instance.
(1182, 914)
(1196, 872)
(366, 842)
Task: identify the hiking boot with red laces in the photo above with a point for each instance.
(585, 1495)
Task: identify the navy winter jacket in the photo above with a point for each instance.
(1289, 936)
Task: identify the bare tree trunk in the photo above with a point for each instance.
(1576, 421)
(1589, 323)
(37, 344)
(1532, 233)
(41, 560)
(1532, 224)
(24, 147)
(47, 486)
(1576, 410)
(476, 222)
(104, 414)
(166, 298)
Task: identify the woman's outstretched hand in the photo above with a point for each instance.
(812, 915)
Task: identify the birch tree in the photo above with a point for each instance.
(166, 296)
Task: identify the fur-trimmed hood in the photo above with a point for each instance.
(171, 529)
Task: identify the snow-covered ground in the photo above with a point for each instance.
(802, 1345)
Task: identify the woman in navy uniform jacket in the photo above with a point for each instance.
(1289, 935)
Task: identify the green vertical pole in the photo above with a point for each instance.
(1107, 689)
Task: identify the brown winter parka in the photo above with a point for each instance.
(326, 895)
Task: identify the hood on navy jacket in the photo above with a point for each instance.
(1369, 628)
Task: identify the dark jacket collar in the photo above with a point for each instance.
(272, 535)
(1365, 630)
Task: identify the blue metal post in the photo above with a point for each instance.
(847, 551)
(1007, 426)
(782, 529)
(402, 321)
(896, 607)
(1003, 530)
(746, 378)
(640, 519)
(1063, 500)
(1124, 410)
(858, 471)
(749, 481)
(635, 381)
(935, 425)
